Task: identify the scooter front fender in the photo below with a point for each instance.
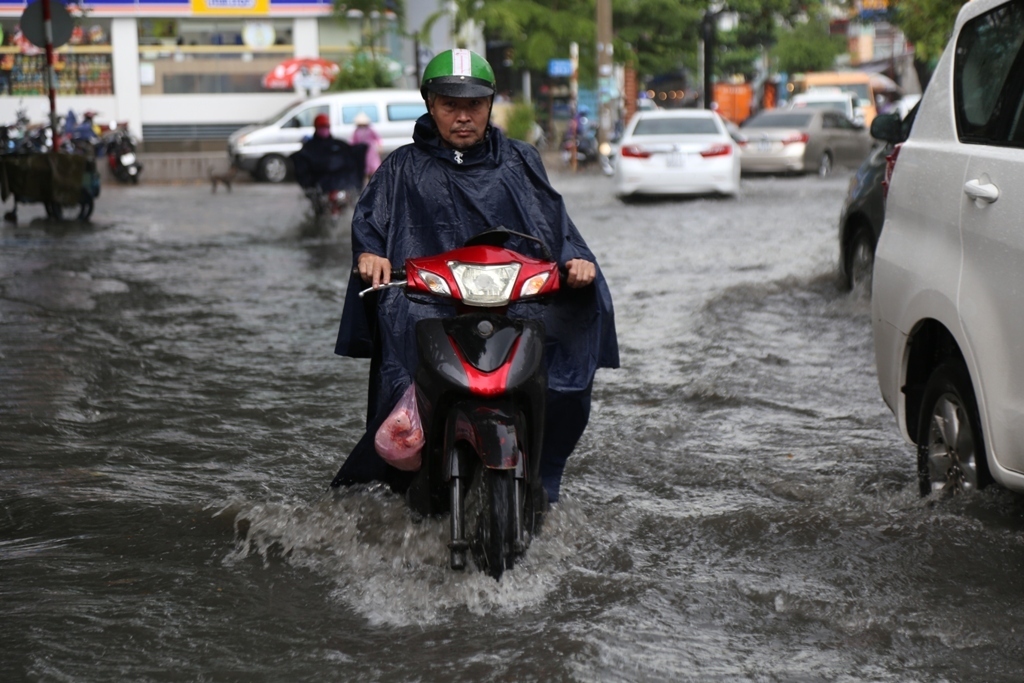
(489, 430)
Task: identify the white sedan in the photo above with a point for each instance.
(676, 152)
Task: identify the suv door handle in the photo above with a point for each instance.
(986, 192)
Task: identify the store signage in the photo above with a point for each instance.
(60, 23)
(184, 8)
(229, 7)
(560, 68)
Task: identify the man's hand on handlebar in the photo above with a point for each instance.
(579, 273)
(375, 270)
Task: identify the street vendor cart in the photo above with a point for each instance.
(57, 180)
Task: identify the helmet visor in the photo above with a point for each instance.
(459, 86)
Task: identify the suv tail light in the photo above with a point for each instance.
(890, 166)
(635, 152)
(718, 150)
(795, 138)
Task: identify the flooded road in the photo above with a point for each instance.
(741, 507)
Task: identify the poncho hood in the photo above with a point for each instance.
(487, 153)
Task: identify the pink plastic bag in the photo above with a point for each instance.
(400, 438)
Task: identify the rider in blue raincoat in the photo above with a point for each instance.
(325, 161)
(459, 178)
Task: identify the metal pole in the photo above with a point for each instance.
(708, 30)
(51, 74)
(604, 69)
(574, 93)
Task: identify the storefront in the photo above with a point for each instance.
(177, 69)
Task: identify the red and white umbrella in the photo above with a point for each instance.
(284, 75)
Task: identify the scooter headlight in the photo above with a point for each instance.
(485, 285)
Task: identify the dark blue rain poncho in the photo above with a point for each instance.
(331, 163)
(426, 199)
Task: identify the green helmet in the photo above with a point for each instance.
(458, 73)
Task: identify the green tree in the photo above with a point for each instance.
(364, 70)
(372, 29)
(657, 36)
(369, 66)
(537, 30)
(761, 25)
(927, 24)
(807, 47)
(520, 120)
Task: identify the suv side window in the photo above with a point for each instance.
(406, 112)
(349, 112)
(988, 77)
(304, 119)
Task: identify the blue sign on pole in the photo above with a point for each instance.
(560, 68)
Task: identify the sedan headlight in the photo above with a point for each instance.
(485, 285)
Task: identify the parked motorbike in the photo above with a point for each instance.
(21, 137)
(480, 389)
(588, 151)
(121, 155)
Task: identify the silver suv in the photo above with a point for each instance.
(948, 294)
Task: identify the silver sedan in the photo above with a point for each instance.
(804, 141)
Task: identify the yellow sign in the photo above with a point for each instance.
(230, 7)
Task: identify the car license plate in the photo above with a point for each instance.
(676, 160)
(764, 146)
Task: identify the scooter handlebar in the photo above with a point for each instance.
(397, 280)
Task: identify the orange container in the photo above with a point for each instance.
(734, 101)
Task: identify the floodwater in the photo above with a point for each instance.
(741, 508)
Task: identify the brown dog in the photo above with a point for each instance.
(222, 179)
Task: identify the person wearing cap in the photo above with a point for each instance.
(364, 134)
(458, 178)
(329, 163)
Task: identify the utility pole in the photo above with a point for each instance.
(707, 29)
(574, 99)
(605, 80)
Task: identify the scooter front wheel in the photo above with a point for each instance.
(491, 509)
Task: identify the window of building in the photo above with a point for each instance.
(204, 56)
(83, 66)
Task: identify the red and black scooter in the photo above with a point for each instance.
(121, 155)
(480, 388)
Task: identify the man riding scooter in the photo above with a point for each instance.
(461, 177)
(328, 169)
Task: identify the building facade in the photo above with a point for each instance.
(180, 70)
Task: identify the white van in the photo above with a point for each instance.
(829, 98)
(263, 148)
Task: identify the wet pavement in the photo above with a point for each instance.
(741, 507)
